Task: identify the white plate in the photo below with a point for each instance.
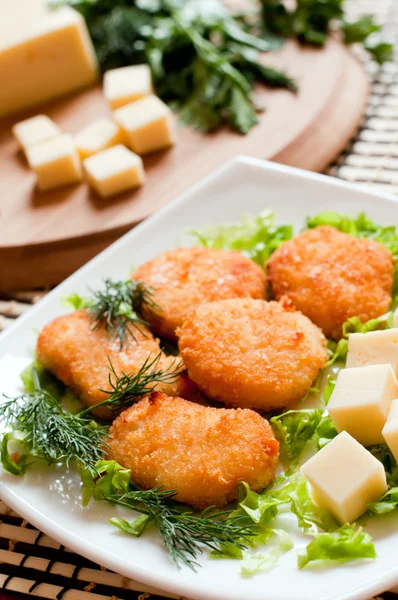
(50, 500)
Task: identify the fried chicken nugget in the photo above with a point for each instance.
(185, 277)
(79, 356)
(201, 452)
(252, 353)
(331, 276)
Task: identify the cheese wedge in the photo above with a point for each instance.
(361, 400)
(114, 170)
(147, 125)
(344, 477)
(373, 348)
(390, 431)
(127, 84)
(45, 54)
(35, 130)
(55, 162)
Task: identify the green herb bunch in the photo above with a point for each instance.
(311, 22)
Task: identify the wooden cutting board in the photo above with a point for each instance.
(46, 236)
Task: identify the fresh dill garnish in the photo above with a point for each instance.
(119, 308)
(182, 533)
(130, 387)
(48, 432)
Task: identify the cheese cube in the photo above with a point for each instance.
(97, 136)
(344, 477)
(35, 130)
(55, 162)
(390, 431)
(361, 400)
(127, 84)
(45, 54)
(146, 125)
(373, 348)
(114, 171)
(395, 318)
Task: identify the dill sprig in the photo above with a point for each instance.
(182, 533)
(127, 388)
(119, 308)
(48, 432)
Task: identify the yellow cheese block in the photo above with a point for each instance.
(344, 477)
(55, 162)
(97, 136)
(147, 125)
(395, 318)
(43, 56)
(114, 170)
(35, 130)
(390, 431)
(373, 348)
(361, 400)
(127, 84)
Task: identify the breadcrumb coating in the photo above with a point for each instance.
(202, 452)
(79, 356)
(181, 279)
(252, 353)
(331, 276)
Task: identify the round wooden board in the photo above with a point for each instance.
(46, 236)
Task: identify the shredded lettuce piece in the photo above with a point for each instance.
(135, 527)
(338, 351)
(346, 544)
(295, 428)
(109, 478)
(260, 562)
(75, 301)
(48, 382)
(386, 504)
(17, 461)
(258, 237)
(383, 453)
(328, 391)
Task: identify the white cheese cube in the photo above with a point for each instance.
(55, 162)
(390, 431)
(35, 130)
(114, 171)
(97, 136)
(361, 400)
(373, 348)
(127, 84)
(45, 54)
(147, 125)
(344, 477)
(395, 318)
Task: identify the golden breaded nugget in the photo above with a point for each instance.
(331, 276)
(201, 452)
(251, 353)
(79, 356)
(185, 277)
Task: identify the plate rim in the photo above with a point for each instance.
(68, 538)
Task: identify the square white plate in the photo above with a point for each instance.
(50, 500)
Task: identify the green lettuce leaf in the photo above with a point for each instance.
(109, 478)
(135, 527)
(75, 302)
(383, 453)
(48, 382)
(260, 562)
(346, 544)
(258, 237)
(295, 428)
(15, 462)
(386, 504)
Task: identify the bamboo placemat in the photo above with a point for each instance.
(31, 563)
